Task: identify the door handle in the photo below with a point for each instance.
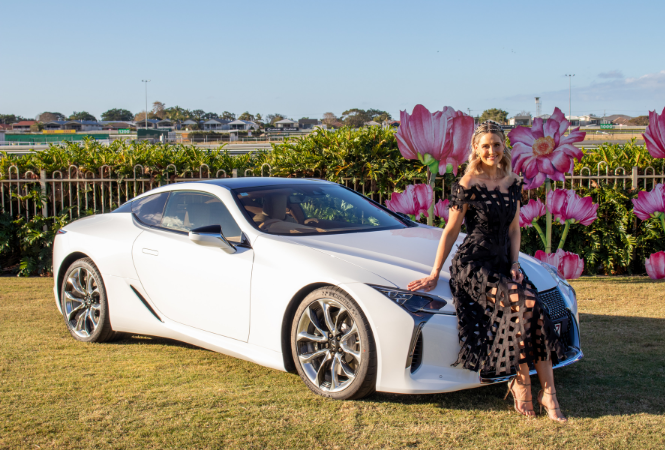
(149, 251)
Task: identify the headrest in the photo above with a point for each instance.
(274, 206)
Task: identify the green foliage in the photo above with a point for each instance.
(356, 118)
(495, 114)
(360, 155)
(617, 242)
(117, 114)
(83, 115)
(159, 161)
(614, 156)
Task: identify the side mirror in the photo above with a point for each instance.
(211, 236)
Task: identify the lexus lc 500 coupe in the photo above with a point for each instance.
(294, 274)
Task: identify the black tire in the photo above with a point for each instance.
(84, 303)
(344, 314)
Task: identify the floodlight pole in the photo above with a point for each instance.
(570, 85)
(146, 102)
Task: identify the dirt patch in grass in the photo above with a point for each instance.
(154, 393)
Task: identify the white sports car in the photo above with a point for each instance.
(292, 274)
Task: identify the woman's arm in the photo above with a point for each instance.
(448, 238)
(515, 241)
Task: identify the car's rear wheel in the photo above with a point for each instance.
(333, 346)
(84, 303)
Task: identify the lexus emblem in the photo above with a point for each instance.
(557, 328)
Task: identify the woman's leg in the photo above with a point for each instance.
(546, 377)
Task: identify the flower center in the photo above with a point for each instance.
(543, 146)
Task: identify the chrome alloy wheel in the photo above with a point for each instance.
(328, 345)
(82, 302)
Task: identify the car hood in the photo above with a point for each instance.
(403, 255)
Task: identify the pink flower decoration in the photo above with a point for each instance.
(415, 200)
(530, 212)
(654, 135)
(444, 135)
(565, 204)
(569, 265)
(442, 209)
(655, 265)
(650, 204)
(543, 151)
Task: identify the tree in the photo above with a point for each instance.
(140, 117)
(7, 119)
(272, 118)
(495, 114)
(50, 116)
(117, 114)
(639, 121)
(331, 120)
(158, 110)
(378, 116)
(198, 114)
(210, 115)
(258, 118)
(228, 116)
(246, 116)
(83, 115)
(355, 118)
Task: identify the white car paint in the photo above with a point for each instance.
(236, 303)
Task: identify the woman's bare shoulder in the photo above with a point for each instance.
(467, 181)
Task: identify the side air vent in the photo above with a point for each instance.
(417, 354)
(145, 303)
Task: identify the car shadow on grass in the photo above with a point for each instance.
(622, 373)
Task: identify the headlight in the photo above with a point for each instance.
(414, 302)
(567, 291)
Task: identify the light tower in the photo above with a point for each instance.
(537, 106)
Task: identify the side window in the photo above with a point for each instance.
(149, 209)
(188, 210)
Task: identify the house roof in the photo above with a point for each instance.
(222, 121)
(238, 122)
(309, 121)
(82, 122)
(25, 123)
(189, 122)
(285, 121)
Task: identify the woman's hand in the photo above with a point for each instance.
(427, 283)
(517, 275)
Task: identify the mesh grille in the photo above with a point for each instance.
(417, 354)
(553, 301)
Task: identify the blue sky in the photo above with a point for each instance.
(305, 58)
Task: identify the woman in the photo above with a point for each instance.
(502, 325)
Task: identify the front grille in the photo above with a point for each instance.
(553, 301)
(417, 354)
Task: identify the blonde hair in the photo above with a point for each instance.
(474, 167)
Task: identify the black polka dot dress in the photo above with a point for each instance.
(501, 323)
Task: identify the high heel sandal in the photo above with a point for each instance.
(516, 400)
(541, 393)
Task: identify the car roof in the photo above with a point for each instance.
(247, 182)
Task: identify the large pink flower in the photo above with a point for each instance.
(569, 265)
(530, 212)
(437, 139)
(415, 200)
(655, 265)
(442, 209)
(654, 135)
(650, 204)
(543, 151)
(565, 204)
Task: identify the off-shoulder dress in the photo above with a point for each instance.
(501, 323)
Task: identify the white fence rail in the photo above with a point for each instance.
(78, 193)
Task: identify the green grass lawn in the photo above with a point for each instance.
(154, 393)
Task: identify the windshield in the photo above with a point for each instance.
(323, 208)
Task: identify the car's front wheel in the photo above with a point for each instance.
(84, 303)
(333, 346)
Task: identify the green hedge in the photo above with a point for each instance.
(616, 243)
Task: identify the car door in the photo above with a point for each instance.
(192, 284)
